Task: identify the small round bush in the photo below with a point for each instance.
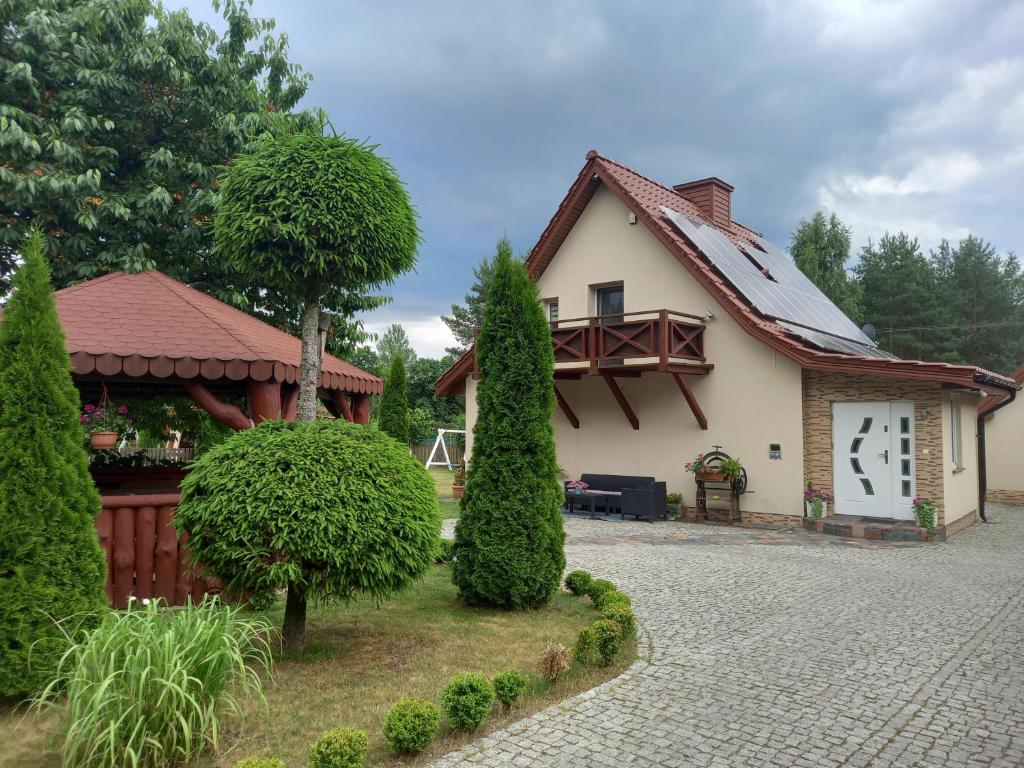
(445, 553)
(556, 660)
(577, 582)
(612, 597)
(623, 616)
(260, 762)
(598, 587)
(411, 725)
(584, 651)
(607, 640)
(510, 685)
(466, 700)
(340, 748)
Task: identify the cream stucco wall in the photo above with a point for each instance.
(960, 485)
(751, 399)
(1004, 447)
(471, 411)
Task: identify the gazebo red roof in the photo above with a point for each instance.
(148, 324)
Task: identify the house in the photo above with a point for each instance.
(1003, 423)
(677, 329)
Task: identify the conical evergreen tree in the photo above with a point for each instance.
(394, 403)
(51, 566)
(509, 539)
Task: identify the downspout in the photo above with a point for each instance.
(982, 470)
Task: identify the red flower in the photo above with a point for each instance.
(122, 409)
(89, 408)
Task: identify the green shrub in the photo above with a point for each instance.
(393, 416)
(577, 582)
(598, 587)
(466, 700)
(445, 553)
(607, 640)
(148, 686)
(584, 650)
(622, 615)
(260, 762)
(509, 538)
(331, 510)
(674, 498)
(51, 566)
(611, 597)
(510, 685)
(340, 748)
(411, 725)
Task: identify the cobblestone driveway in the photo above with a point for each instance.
(793, 649)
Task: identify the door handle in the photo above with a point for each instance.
(885, 453)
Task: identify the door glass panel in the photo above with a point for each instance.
(867, 486)
(904, 425)
(855, 447)
(905, 467)
(855, 463)
(866, 425)
(906, 488)
(905, 446)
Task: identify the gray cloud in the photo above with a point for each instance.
(898, 115)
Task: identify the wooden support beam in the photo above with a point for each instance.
(620, 398)
(229, 414)
(567, 410)
(289, 401)
(264, 400)
(342, 406)
(361, 408)
(691, 400)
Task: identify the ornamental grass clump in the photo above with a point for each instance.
(466, 701)
(340, 748)
(577, 582)
(411, 725)
(556, 660)
(149, 685)
(510, 685)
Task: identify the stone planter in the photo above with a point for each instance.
(809, 511)
(103, 441)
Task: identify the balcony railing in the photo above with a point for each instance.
(659, 336)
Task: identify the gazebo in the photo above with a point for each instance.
(145, 334)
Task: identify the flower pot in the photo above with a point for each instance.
(709, 477)
(103, 441)
(809, 510)
(457, 491)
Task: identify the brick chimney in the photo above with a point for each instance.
(713, 196)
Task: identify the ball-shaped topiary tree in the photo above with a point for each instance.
(317, 218)
(393, 417)
(328, 509)
(509, 539)
(51, 566)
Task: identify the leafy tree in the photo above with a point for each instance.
(509, 538)
(51, 565)
(317, 218)
(981, 318)
(465, 321)
(350, 512)
(820, 247)
(394, 404)
(423, 375)
(900, 296)
(394, 342)
(422, 425)
(365, 357)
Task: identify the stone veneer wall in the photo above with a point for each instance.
(821, 389)
(998, 496)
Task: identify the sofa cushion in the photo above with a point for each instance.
(615, 482)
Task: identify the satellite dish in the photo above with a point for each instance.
(868, 330)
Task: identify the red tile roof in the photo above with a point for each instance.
(645, 197)
(149, 324)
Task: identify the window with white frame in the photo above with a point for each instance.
(956, 432)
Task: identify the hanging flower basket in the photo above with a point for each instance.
(103, 441)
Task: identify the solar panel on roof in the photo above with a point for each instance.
(786, 295)
(835, 344)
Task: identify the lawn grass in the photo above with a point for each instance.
(442, 481)
(361, 659)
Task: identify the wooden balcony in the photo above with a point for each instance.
(658, 339)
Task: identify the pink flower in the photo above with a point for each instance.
(122, 409)
(89, 408)
(84, 419)
(129, 421)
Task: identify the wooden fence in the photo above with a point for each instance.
(145, 557)
(456, 451)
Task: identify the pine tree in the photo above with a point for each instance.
(394, 342)
(394, 403)
(821, 248)
(51, 566)
(509, 538)
(464, 321)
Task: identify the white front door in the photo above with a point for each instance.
(873, 459)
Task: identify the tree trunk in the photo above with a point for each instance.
(311, 361)
(293, 632)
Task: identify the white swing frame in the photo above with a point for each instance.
(439, 442)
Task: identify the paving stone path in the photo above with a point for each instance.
(786, 648)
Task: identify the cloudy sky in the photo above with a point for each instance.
(897, 115)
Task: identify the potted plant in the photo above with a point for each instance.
(576, 487)
(702, 472)
(104, 424)
(731, 471)
(673, 502)
(927, 515)
(459, 480)
(816, 502)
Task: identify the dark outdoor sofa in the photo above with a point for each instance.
(642, 497)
